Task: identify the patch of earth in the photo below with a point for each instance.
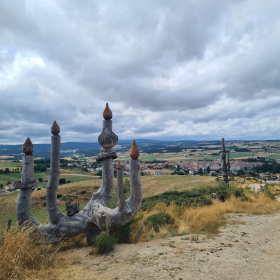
(248, 247)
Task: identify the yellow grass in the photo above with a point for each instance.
(206, 220)
(21, 258)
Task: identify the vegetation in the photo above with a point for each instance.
(188, 199)
(104, 243)
(21, 258)
(156, 221)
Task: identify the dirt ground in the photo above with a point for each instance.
(248, 247)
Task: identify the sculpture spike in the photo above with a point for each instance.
(134, 150)
(107, 113)
(119, 167)
(55, 129)
(27, 147)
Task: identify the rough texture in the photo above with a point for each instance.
(95, 216)
(246, 248)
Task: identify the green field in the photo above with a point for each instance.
(9, 164)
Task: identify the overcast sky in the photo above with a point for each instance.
(177, 69)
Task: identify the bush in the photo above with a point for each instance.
(157, 220)
(59, 195)
(104, 243)
(239, 192)
(62, 181)
(40, 179)
(83, 192)
(122, 233)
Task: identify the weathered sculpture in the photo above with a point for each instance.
(230, 174)
(224, 164)
(96, 216)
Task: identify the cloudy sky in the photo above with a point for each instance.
(180, 69)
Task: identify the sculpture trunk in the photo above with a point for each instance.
(95, 216)
(23, 206)
(54, 212)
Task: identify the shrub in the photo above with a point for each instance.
(122, 233)
(239, 192)
(83, 192)
(62, 181)
(59, 195)
(104, 243)
(157, 220)
(40, 179)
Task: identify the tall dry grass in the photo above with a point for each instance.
(22, 258)
(206, 219)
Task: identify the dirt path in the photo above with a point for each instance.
(248, 247)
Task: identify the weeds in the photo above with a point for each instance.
(104, 243)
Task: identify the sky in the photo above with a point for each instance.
(170, 70)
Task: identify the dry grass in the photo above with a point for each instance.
(22, 258)
(206, 220)
(153, 185)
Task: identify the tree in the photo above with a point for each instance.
(208, 169)
(40, 179)
(7, 170)
(240, 172)
(62, 181)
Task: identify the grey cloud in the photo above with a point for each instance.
(183, 60)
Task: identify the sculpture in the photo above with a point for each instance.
(96, 216)
(224, 164)
(230, 173)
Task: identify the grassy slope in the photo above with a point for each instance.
(73, 192)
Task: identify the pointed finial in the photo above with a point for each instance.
(107, 114)
(119, 167)
(134, 150)
(27, 147)
(55, 129)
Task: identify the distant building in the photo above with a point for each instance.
(9, 187)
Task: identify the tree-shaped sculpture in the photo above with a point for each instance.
(96, 216)
(224, 164)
